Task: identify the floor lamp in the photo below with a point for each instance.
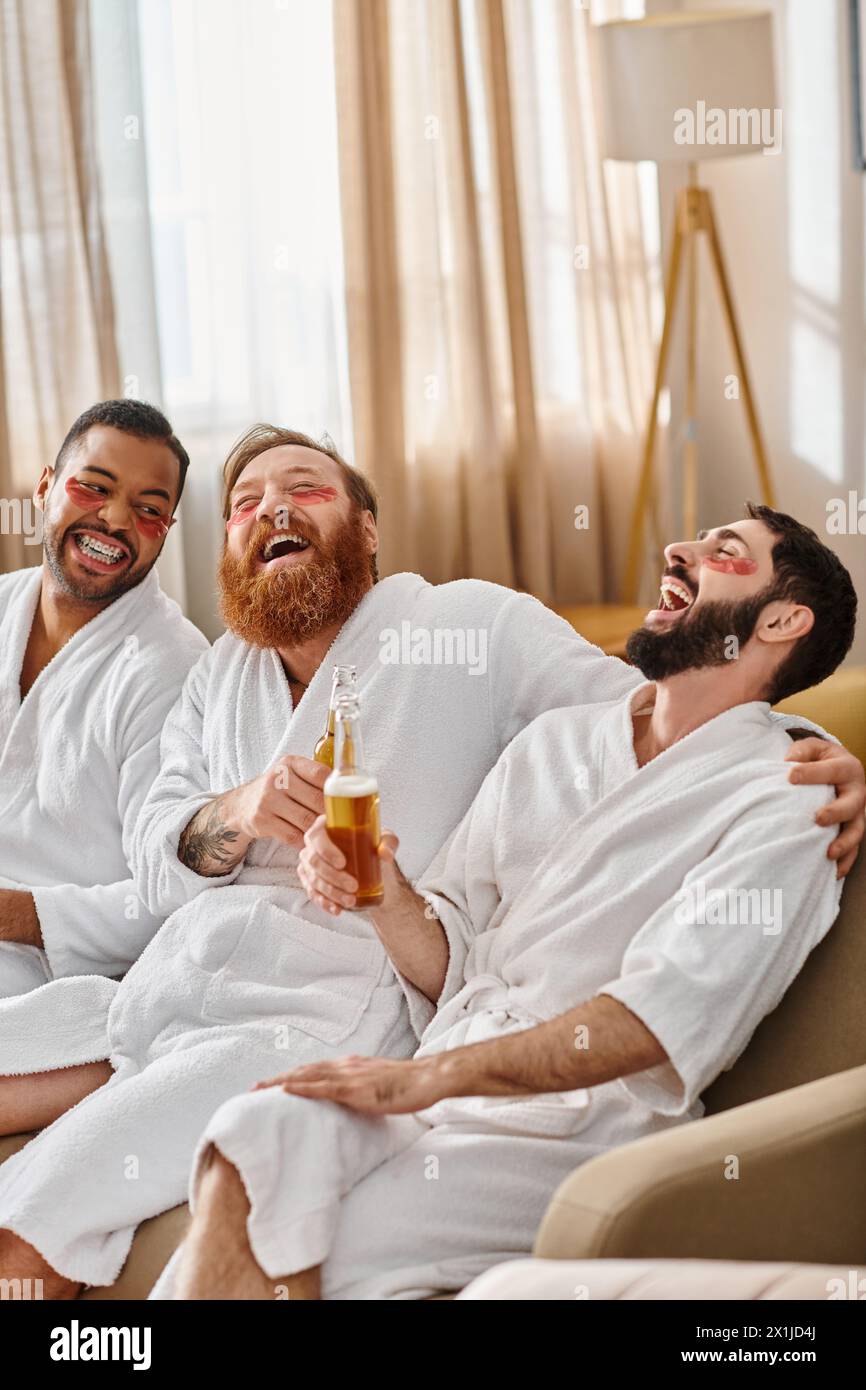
(682, 88)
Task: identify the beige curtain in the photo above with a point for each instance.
(500, 284)
(57, 347)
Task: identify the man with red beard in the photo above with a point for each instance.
(247, 975)
(92, 657)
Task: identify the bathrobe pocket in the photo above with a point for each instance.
(544, 1117)
(287, 970)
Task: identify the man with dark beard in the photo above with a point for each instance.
(92, 657)
(601, 947)
(247, 974)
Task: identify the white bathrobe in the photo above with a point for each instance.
(691, 889)
(247, 977)
(77, 757)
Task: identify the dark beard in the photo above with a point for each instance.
(53, 552)
(295, 602)
(697, 640)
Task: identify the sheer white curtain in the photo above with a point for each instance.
(57, 344)
(502, 285)
(222, 196)
(503, 289)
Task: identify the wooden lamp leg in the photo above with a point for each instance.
(690, 447)
(767, 492)
(632, 573)
(694, 214)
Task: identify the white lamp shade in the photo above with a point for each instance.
(688, 86)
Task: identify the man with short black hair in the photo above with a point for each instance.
(92, 657)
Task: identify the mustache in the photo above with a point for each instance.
(681, 575)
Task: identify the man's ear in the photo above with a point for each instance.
(371, 532)
(46, 478)
(784, 622)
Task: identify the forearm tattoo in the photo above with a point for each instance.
(207, 845)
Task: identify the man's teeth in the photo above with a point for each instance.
(669, 587)
(109, 554)
(279, 538)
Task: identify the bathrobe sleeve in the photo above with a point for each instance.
(103, 928)
(462, 892)
(537, 662)
(797, 723)
(700, 981)
(182, 788)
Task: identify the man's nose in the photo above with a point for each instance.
(683, 553)
(267, 508)
(116, 513)
(274, 506)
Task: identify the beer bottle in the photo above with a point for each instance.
(345, 679)
(352, 804)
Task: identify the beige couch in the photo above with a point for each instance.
(792, 1110)
(558, 1281)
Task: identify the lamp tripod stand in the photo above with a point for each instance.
(694, 215)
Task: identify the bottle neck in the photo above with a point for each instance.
(348, 745)
(344, 681)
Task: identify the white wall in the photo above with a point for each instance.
(792, 228)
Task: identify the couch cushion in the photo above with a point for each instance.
(565, 1280)
(154, 1244)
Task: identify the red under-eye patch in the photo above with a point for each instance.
(241, 515)
(82, 496)
(153, 527)
(731, 564)
(314, 496)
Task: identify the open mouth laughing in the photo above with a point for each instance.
(282, 547)
(96, 553)
(675, 598)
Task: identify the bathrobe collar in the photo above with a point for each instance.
(714, 734)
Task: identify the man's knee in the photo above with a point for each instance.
(221, 1186)
(272, 1115)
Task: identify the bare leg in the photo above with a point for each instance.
(216, 1260)
(18, 1260)
(32, 1102)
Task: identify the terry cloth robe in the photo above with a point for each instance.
(691, 889)
(77, 756)
(247, 977)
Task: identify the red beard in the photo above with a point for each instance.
(293, 603)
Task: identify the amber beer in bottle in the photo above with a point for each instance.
(352, 804)
(345, 679)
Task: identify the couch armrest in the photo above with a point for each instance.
(798, 1195)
